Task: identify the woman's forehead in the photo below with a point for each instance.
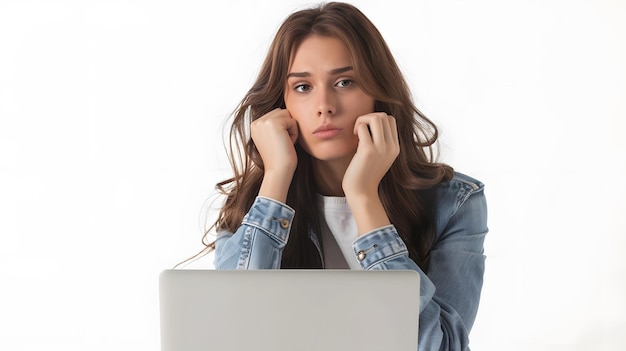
(316, 51)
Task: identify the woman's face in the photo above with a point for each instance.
(323, 95)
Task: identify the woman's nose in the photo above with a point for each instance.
(327, 104)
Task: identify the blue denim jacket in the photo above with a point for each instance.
(450, 290)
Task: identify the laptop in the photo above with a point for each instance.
(280, 310)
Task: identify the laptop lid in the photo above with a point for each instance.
(276, 310)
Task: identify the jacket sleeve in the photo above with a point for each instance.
(259, 242)
(450, 292)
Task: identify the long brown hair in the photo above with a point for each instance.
(403, 190)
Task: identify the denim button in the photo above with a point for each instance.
(284, 223)
(361, 255)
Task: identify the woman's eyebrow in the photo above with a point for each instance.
(332, 72)
(341, 70)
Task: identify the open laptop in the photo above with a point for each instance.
(280, 310)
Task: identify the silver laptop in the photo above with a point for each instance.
(276, 310)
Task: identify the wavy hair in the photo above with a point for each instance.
(403, 190)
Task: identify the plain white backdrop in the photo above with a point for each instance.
(111, 117)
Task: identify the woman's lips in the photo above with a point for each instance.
(326, 131)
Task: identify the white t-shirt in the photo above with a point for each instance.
(338, 233)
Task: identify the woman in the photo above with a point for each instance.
(334, 168)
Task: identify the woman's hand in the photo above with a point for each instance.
(377, 150)
(274, 135)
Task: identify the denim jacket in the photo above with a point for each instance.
(450, 290)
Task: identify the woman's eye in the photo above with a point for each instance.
(344, 83)
(302, 88)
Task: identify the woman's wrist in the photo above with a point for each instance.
(368, 211)
(275, 185)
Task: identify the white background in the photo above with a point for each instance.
(111, 116)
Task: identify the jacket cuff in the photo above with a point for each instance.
(379, 245)
(271, 216)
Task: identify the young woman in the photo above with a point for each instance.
(334, 168)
